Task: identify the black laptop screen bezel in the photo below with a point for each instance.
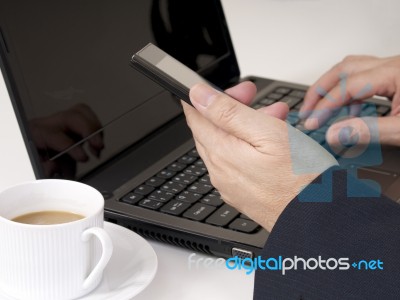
(222, 73)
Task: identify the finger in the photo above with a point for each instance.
(88, 113)
(364, 131)
(60, 142)
(355, 108)
(350, 65)
(216, 143)
(243, 92)
(82, 122)
(204, 132)
(96, 144)
(358, 86)
(233, 117)
(278, 110)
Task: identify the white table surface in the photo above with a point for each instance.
(291, 40)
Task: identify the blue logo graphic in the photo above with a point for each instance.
(351, 151)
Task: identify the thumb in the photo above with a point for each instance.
(364, 131)
(234, 117)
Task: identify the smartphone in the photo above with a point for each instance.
(166, 71)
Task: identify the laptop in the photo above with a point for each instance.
(86, 115)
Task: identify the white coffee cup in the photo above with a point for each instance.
(52, 262)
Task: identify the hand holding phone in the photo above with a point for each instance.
(166, 71)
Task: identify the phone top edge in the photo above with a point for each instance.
(161, 78)
(151, 53)
(137, 54)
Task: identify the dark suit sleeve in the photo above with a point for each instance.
(357, 228)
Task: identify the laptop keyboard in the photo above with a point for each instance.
(183, 189)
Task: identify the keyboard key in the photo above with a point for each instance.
(173, 187)
(298, 93)
(369, 110)
(291, 101)
(293, 118)
(205, 179)
(144, 189)
(188, 197)
(382, 110)
(298, 106)
(187, 160)
(215, 192)
(243, 216)
(150, 203)
(166, 174)
(184, 178)
(199, 212)
(193, 153)
(243, 225)
(200, 188)
(155, 181)
(223, 216)
(162, 196)
(175, 207)
(267, 101)
(319, 137)
(131, 198)
(213, 200)
(301, 127)
(282, 90)
(195, 170)
(274, 96)
(200, 163)
(176, 167)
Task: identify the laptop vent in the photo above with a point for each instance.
(171, 240)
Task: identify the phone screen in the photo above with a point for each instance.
(174, 70)
(179, 71)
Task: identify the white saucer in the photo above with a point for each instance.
(132, 267)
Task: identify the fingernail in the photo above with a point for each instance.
(202, 94)
(348, 136)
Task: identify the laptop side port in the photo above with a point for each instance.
(241, 253)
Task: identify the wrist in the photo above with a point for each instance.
(293, 187)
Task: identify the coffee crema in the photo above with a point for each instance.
(49, 217)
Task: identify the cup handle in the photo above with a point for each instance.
(107, 247)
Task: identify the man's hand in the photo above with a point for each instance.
(347, 83)
(247, 152)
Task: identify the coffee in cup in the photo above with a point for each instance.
(48, 217)
(58, 261)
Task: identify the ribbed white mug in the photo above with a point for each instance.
(52, 262)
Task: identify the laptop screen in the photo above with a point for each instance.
(67, 68)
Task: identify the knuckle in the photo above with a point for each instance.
(350, 58)
(79, 107)
(346, 62)
(213, 180)
(226, 112)
(343, 65)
